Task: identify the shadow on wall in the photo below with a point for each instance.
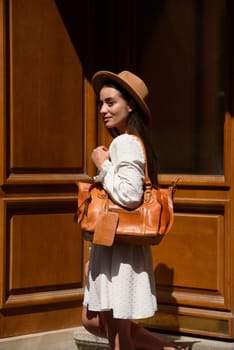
(165, 319)
(103, 33)
(77, 16)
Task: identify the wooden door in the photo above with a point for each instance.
(47, 131)
(49, 50)
(185, 54)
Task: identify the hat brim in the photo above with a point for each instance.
(100, 77)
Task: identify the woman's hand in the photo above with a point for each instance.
(99, 155)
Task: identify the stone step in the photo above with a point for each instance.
(87, 341)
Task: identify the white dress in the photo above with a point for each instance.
(121, 277)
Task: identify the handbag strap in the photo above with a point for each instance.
(147, 181)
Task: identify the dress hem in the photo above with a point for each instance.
(125, 317)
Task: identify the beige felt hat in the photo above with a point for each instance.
(129, 81)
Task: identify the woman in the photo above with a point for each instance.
(120, 279)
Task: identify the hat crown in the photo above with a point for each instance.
(135, 82)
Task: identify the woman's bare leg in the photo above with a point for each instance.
(122, 334)
(119, 332)
(91, 320)
(147, 340)
(127, 335)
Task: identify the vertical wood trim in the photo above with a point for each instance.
(2, 94)
(229, 100)
(90, 126)
(227, 156)
(230, 162)
(2, 252)
(90, 142)
(229, 57)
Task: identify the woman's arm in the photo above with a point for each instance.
(123, 174)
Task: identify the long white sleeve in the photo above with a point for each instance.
(123, 175)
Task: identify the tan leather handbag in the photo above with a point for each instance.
(105, 222)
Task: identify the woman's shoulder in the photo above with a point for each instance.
(127, 139)
(128, 144)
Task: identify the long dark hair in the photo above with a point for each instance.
(138, 125)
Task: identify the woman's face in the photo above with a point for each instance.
(114, 108)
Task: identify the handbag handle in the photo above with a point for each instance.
(147, 181)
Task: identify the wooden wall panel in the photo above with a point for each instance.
(39, 243)
(192, 266)
(189, 238)
(46, 91)
(43, 254)
(15, 322)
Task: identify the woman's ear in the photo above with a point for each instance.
(131, 106)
